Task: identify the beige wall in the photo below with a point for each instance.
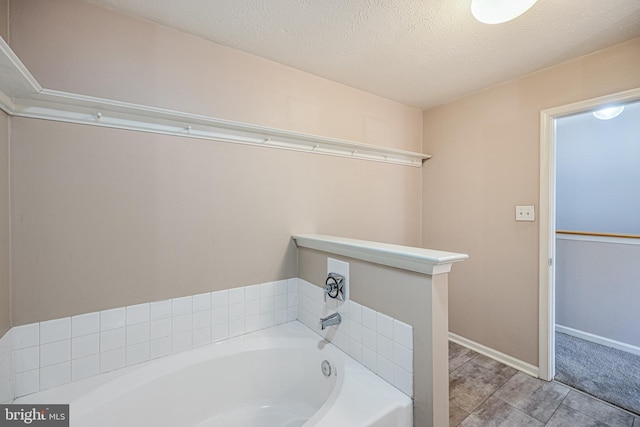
(416, 299)
(106, 218)
(5, 309)
(485, 161)
(79, 47)
(4, 19)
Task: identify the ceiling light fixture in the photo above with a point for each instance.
(499, 11)
(608, 113)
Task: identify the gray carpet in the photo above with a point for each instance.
(604, 372)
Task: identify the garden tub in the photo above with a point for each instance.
(284, 376)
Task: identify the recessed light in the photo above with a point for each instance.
(608, 113)
(499, 11)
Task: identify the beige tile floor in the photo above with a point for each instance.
(486, 393)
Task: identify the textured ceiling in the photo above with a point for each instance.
(419, 52)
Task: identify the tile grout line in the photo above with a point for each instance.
(515, 408)
(492, 394)
(633, 415)
(558, 407)
(480, 404)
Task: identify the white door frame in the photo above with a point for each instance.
(547, 315)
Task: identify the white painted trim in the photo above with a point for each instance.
(518, 364)
(629, 348)
(546, 322)
(623, 97)
(546, 258)
(599, 239)
(80, 109)
(22, 96)
(16, 79)
(426, 261)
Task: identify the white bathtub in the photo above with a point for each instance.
(268, 378)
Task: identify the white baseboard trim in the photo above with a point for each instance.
(518, 364)
(598, 339)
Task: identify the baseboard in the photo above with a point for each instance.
(598, 339)
(518, 364)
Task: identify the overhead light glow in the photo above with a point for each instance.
(608, 113)
(499, 11)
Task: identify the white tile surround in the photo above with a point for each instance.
(43, 355)
(379, 342)
(7, 393)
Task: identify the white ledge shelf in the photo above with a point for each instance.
(22, 96)
(426, 261)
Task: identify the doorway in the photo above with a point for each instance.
(597, 271)
(548, 228)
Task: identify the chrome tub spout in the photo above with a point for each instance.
(333, 319)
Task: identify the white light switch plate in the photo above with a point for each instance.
(525, 213)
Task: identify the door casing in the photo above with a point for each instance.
(547, 215)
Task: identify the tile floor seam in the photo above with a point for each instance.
(516, 408)
(577, 410)
(633, 415)
(588, 416)
(494, 392)
(558, 407)
(465, 363)
(495, 397)
(479, 405)
(554, 412)
(562, 403)
(450, 404)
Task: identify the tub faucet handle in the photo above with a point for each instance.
(334, 286)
